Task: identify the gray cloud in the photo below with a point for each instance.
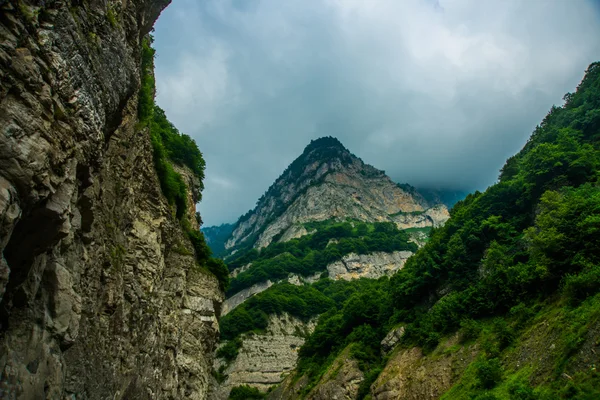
(436, 93)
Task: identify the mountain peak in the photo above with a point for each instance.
(323, 143)
(328, 182)
(324, 149)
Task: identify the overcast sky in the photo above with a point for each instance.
(436, 93)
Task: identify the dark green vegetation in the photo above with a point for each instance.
(517, 262)
(531, 240)
(172, 147)
(311, 253)
(216, 237)
(245, 393)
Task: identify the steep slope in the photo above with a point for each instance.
(102, 296)
(325, 182)
(503, 302)
(217, 236)
(328, 215)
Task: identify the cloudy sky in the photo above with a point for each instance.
(437, 93)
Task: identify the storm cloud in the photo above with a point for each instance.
(436, 93)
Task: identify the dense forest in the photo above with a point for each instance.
(524, 250)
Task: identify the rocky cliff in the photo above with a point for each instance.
(341, 381)
(265, 359)
(373, 266)
(102, 297)
(326, 182)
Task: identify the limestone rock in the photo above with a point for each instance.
(341, 381)
(326, 182)
(391, 339)
(374, 265)
(232, 302)
(97, 303)
(243, 295)
(409, 374)
(265, 359)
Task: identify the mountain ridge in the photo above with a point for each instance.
(328, 181)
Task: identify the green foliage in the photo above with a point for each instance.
(230, 350)
(172, 147)
(300, 301)
(203, 256)
(365, 385)
(470, 330)
(488, 372)
(147, 88)
(111, 16)
(522, 391)
(533, 232)
(311, 253)
(168, 144)
(534, 235)
(245, 393)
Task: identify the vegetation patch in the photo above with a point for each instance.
(312, 253)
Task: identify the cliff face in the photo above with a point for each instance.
(265, 359)
(340, 381)
(373, 266)
(325, 182)
(101, 295)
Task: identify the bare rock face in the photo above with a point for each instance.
(392, 339)
(341, 381)
(243, 295)
(98, 299)
(265, 359)
(326, 182)
(374, 265)
(409, 374)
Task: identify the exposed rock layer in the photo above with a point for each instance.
(373, 266)
(101, 297)
(326, 182)
(341, 381)
(265, 359)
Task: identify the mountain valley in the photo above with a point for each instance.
(339, 284)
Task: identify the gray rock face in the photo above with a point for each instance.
(338, 186)
(99, 301)
(265, 359)
(374, 265)
(392, 339)
(341, 381)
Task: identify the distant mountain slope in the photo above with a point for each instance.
(325, 182)
(216, 236)
(503, 302)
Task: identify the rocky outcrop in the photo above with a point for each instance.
(193, 195)
(392, 339)
(102, 297)
(409, 374)
(432, 217)
(265, 359)
(374, 265)
(327, 182)
(341, 381)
